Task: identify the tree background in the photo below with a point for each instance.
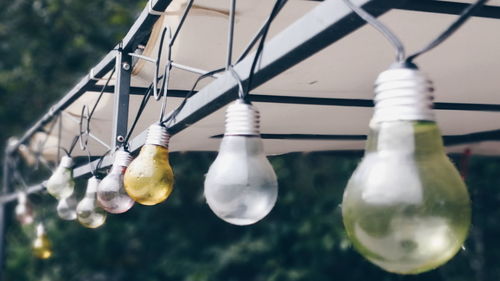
(47, 45)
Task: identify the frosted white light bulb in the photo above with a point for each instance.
(87, 211)
(61, 183)
(405, 208)
(66, 208)
(241, 186)
(111, 193)
(24, 209)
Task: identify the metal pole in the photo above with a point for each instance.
(122, 91)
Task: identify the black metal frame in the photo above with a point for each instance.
(326, 24)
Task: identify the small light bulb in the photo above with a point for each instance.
(61, 183)
(42, 247)
(149, 178)
(24, 209)
(241, 186)
(87, 211)
(66, 208)
(111, 194)
(405, 208)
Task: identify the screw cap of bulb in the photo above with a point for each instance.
(122, 158)
(242, 119)
(158, 135)
(66, 162)
(403, 93)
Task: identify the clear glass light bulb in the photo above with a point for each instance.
(24, 209)
(406, 208)
(87, 211)
(241, 186)
(149, 178)
(61, 183)
(42, 247)
(111, 194)
(66, 208)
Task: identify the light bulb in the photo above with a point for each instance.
(66, 208)
(149, 178)
(405, 208)
(24, 209)
(111, 194)
(241, 186)
(61, 183)
(42, 247)
(87, 211)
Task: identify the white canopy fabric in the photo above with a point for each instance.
(465, 69)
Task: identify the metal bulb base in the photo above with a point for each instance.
(242, 119)
(403, 94)
(158, 135)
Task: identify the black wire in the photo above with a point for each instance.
(73, 144)
(190, 93)
(101, 94)
(241, 91)
(179, 26)
(157, 65)
(464, 16)
(388, 34)
(277, 7)
(164, 88)
(259, 34)
(142, 106)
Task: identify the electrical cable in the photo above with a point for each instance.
(257, 36)
(189, 94)
(260, 35)
(230, 34)
(101, 94)
(142, 106)
(277, 7)
(379, 26)
(464, 16)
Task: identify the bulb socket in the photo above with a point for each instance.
(158, 135)
(403, 93)
(66, 162)
(242, 119)
(122, 158)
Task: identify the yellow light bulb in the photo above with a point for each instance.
(149, 178)
(406, 208)
(42, 247)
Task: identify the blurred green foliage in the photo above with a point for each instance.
(46, 45)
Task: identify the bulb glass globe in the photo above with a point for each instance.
(241, 186)
(87, 211)
(42, 248)
(24, 209)
(61, 183)
(66, 208)
(111, 193)
(405, 208)
(149, 178)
